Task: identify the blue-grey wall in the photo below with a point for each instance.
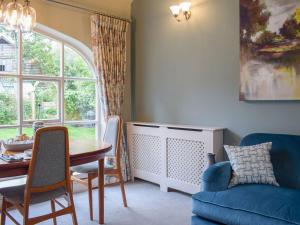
(188, 72)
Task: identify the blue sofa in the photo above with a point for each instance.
(253, 204)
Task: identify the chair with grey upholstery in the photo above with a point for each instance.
(113, 136)
(48, 179)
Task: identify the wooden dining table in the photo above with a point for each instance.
(81, 152)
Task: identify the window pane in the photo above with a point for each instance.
(40, 100)
(80, 100)
(28, 131)
(75, 65)
(7, 133)
(41, 55)
(8, 51)
(84, 132)
(8, 101)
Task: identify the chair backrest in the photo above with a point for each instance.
(285, 156)
(113, 134)
(49, 166)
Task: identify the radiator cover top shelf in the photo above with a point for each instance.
(172, 156)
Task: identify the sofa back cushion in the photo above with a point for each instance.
(285, 156)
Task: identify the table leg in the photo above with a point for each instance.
(101, 190)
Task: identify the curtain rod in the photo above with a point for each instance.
(89, 10)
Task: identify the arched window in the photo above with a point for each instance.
(44, 78)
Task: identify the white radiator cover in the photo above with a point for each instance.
(172, 156)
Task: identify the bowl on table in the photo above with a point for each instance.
(12, 145)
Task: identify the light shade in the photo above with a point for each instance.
(175, 9)
(13, 15)
(183, 10)
(28, 20)
(185, 6)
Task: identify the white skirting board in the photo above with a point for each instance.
(172, 156)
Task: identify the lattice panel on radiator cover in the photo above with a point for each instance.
(186, 160)
(146, 150)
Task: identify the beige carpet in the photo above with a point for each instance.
(147, 206)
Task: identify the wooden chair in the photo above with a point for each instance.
(48, 179)
(112, 136)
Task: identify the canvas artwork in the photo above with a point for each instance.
(270, 49)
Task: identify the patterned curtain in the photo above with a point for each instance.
(109, 49)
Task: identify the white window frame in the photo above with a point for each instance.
(85, 53)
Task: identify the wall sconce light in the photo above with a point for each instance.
(183, 8)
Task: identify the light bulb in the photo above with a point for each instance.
(26, 23)
(14, 17)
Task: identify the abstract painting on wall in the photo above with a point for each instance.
(270, 49)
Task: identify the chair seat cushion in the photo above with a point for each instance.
(250, 204)
(89, 167)
(16, 194)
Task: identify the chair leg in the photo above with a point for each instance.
(3, 215)
(71, 203)
(53, 210)
(26, 214)
(90, 192)
(122, 188)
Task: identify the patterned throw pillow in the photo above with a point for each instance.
(251, 164)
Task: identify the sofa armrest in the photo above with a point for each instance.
(217, 177)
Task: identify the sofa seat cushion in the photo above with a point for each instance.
(196, 220)
(250, 204)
